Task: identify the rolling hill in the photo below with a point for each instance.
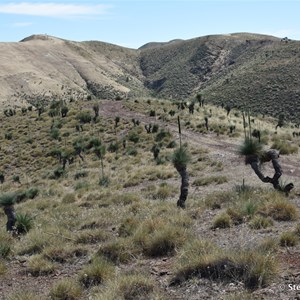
(254, 71)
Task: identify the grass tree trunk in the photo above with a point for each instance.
(184, 189)
(10, 213)
(180, 160)
(273, 156)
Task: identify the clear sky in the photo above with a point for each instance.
(132, 23)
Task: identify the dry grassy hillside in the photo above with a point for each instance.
(97, 215)
(244, 70)
(41, 67)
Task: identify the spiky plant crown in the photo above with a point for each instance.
(100, 151)
(180, 157)
(7, 199)
(250, 147)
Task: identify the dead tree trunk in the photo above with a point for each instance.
(11, 217)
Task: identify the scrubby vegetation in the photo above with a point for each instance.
(96, 207)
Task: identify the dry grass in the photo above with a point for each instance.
(134, 220)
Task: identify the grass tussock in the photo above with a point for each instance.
(118, 251)
(66, 289)
(258, 208)
(216, 200)
(3, 268)
(98, 271)
(254, 267)
(288, 239)
(136, 287)
(281, 210)
(64, 253)
(222, 221)
(129, 287)
(210, 180)
(284, 147)
(24, 295)
(39, 266)
(33, 243)
(6, 243)
(260, 222)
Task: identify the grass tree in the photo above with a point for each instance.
(7, 201)
(100, 153)
(180, 160)
(255, 156)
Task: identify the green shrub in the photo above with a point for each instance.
(32, 193)
(172, 144)
(84, 117)
(16, 178)
(57, 173)
(152, 113)
(163, 134)
(133, 137)
(8, 135)
(104, 181)
(113, 147)
(132, 151)
(54, 133)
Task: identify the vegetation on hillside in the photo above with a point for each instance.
(95, 203)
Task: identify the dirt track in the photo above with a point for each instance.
(220, 147)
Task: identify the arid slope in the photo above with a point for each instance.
(254, 71)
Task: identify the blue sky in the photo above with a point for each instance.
(136, 22)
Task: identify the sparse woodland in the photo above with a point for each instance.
(89, 195)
